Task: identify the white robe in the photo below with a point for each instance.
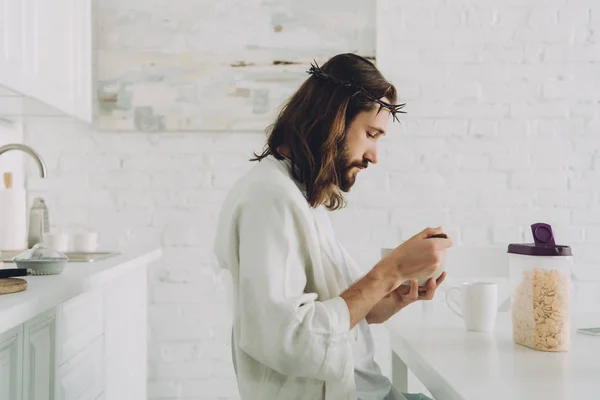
(291, 336)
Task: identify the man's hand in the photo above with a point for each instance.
(401, 297)
(419, 256)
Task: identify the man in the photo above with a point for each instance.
(302, 308)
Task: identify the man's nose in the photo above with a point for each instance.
(372, 155)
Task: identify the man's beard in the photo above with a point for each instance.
(346, 178)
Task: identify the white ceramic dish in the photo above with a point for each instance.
(40, 260)
(40, 267)
(422, 281)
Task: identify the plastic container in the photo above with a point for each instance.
(540, 282)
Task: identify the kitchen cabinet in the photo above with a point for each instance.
(12, 67)
(90, 344)
(38, 358)
(46, 52)
(11, 359)
(82, 376)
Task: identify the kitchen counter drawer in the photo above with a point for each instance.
(80, 322)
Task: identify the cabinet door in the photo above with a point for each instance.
(11, 368)
(39, 358)
(58, 48)
(79, 323)
(82, 377)
(12, 71)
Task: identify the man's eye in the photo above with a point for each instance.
(369, 134)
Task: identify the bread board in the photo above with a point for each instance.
(12, 285)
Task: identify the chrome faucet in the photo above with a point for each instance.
(28, 150)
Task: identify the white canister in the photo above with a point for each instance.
(540, 282)
(85, 242)
(58, 241)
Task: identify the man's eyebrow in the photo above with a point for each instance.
(379, 130)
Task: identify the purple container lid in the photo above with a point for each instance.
(543, 244)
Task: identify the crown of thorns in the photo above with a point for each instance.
(394, 109)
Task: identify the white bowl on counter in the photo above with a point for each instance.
(41, 260)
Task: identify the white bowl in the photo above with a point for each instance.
(40, 260)
(42, 267)
(423, 280)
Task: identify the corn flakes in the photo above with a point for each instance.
(540, 310)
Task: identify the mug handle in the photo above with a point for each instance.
(453, 303)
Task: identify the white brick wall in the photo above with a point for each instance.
(503, 120)
(503, 130)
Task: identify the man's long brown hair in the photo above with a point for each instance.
(313, 124)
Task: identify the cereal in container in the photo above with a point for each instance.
(540, 281)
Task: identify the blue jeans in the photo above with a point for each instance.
(416, 396)
(395, 394)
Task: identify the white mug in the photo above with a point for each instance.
(85, 242)
(478, 305)
(57, 241)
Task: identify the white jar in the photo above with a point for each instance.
(540, 282)
(85, 242)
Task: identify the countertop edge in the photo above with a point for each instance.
(27, 305)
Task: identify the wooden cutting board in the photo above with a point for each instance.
(12, 285)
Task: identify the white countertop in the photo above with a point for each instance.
(460, 365)
(45, 292)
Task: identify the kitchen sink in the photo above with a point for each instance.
(7, 256)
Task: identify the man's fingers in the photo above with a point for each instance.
(442, 244)
(431, 232)
(430, 291)
(440, 279)
(414, 290)
(431, 286)
(403, 290)
(427, 292)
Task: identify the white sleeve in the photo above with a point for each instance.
(281, 325)
(355, 272)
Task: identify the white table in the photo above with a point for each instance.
(454, 364)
